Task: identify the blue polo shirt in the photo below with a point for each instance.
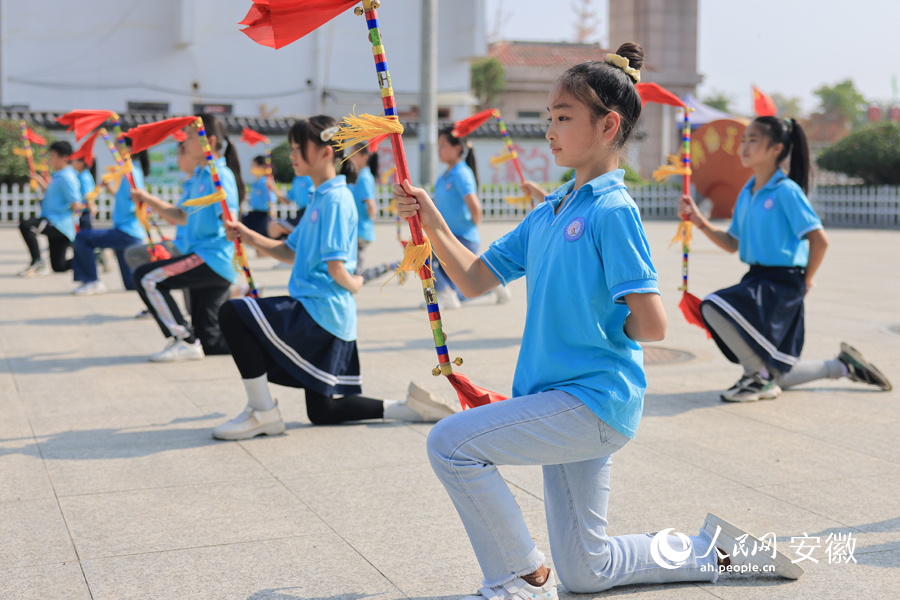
(64, 191)
(180, 241)
(771, 224)
(301, 191)
(326, 232)
(86, 181)
(124, 217)
(578, 266)
(364, 189)
(260, 196)
(204, 231)
(449, 193)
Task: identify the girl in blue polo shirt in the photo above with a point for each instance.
(302, 190)
(86, 180)
(308, 339)
(456, 197)
(206, 266)
(262, 199)
(579, 382)
(759, 322)
(126, 231)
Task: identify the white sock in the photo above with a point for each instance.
(764, 373)
(258, 396)
(398, 411)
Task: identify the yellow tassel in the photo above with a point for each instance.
(496, 161)
(41, 167)
(518, 199)
(362, 128)
(667, 171)
(392, 208)
(143, 217)
(239, 261)
(388, 174)
(414, 258)
(20, 151)
(202, 201)
(683, 235)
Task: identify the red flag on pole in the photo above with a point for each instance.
(468, 125)
(763, 105)
(277, 23)
(84, 121)
(376, 142)
(86, 151)
(652, 92)
(251, 138)
(145, 136)
(35, 138)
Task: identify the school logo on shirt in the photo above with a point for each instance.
(768, 204)
(575, 229)
(449, 185)
(314, 217)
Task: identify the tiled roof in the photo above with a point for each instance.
(544, 54)
(235, 124)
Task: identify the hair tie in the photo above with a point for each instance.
(328, 133)
(623, 63)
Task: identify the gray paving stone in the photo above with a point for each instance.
(64, 580)
(32, 532)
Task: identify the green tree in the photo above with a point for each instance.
(14, 168)
(281, 163)
(872, 153)
(842, 103)
(488, 80)
(788, 106)
(718, 100)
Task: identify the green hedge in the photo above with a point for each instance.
(14, 168)
(872, 153)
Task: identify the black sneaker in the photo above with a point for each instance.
(861, 370)
(752, 388)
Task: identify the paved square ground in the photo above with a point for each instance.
(111, 486)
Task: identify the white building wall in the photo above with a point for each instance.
(100, 54)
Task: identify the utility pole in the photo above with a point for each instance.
(428, 94)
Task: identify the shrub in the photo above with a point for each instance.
(14, 168)
(872, 153)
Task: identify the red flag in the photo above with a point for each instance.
(653, 92)
(34, 138)
(145, 136)
(84, 121)
(179, 136)
(375, 142)
(277, 23)
(690, 308)
(470, 395)
(86, 151)
(470, 124)
(250, 137)
(763, 105)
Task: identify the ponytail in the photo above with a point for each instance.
(214, 127)
(373, 164)
(793, 139)
(465, 146)
(141, 158)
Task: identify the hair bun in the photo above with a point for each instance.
(634, 53)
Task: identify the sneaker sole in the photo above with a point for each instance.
(276, 428)
(766, 395)
(788, 570)
(180, 359)
(856, 356)
(424, 398)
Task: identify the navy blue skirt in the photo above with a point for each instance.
(299, 353)
(766, 307)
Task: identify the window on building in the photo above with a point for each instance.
(529, 115)
(161, 108)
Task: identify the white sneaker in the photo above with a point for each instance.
(251, 423)
(37, 269)
(91, 288)
(518, 589)
(448, 300)
(501, 294)
(178, 350)
(746, 552)
(430, 407)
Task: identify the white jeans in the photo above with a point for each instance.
(556, 430)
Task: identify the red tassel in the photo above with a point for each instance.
(146, 136)
(470, 395)
(690, 308)
(277, 23)
(468, 125)
(85, 121)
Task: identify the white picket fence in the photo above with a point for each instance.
(844, 206)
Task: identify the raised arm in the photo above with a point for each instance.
(167, 211)
(468, 272)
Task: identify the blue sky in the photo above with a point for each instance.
(786, 46)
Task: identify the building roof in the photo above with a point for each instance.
(235, 124)
(544, 54)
